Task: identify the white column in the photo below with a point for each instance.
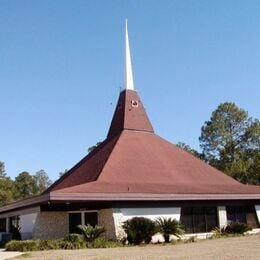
(118, 222)
(257, 210)
(222, 216)
(7, 225)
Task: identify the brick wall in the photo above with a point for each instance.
(105, 219)
(51, 225)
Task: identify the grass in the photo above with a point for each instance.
(242, 247)
(24, 255)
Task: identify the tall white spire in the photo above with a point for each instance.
(129, 82)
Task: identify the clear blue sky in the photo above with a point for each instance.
(61, 68)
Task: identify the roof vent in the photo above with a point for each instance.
(134, 103)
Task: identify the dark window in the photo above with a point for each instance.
(3, 225)
(91, 218)
(74, 221)
(187, 219)
(211, 218)
(198, 219)
(243, 214)
(14, 224)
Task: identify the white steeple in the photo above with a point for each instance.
(129, 82)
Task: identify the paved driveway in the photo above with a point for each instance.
(7, 255)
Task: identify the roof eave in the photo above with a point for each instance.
(148, 197)
(26, 203)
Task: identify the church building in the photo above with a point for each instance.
(134, 172)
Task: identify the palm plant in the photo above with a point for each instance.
(91, 233)
(169, 226)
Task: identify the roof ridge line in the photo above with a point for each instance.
(77, 165)
(117, 137)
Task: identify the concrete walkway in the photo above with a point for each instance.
(7, 255)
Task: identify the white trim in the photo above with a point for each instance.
(222, 216)
(79, 211)
(257, 211)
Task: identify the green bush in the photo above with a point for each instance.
(236, 228)
(69, 242)
(22, 246)
(73, 241)
(74, 238)
(139, 229)
(104, 243)
(49, 244)
(167, 227)
(91, 233)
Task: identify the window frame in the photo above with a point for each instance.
(82, 214)
(193, 229)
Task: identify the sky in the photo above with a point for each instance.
(62, 68)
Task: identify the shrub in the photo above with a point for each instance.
(49, 244)
(104, 243)
(74, 238)
(236, 228)
(68, 245)
(22, 246)
(91, 233)
(139, 229)
(230, 229)
(218, 232)
(167, 227)
(73, 241)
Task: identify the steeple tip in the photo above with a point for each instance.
(129, 82)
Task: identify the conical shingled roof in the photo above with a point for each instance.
(129, 114)
(134, 161)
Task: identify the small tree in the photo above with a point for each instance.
(139, 229)
(169, 226)
(91, 233)
(42, 181)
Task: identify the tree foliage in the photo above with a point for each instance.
(23, 186)
(6, 187)
(187, 148)
(61, 173)
(93, 147)
(42, 181)
(230, 141)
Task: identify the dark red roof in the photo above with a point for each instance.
(129, 114)
(134, 160)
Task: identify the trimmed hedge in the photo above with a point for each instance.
(71, 241)
(22, 246)
(103, 243)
